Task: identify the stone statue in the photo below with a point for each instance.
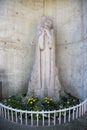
(44, 77)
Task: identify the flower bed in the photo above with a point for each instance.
(11, 109)
(35, 104)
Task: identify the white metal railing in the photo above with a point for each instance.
(43, 118)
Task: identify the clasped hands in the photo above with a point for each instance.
(44, 31)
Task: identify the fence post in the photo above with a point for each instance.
(43, 117)
(69, 116)
(80, 111)
(2, 112)
(26, 118)
(16, 117)
(76, 112)
(21, 117)
(8, 115)
(5, 113)
(73, 113)
(85, 106)
(65, 116)
(54, 117)
(12, 115)
(59, 118)
(31, 118)
(49, 118)
(37, 118)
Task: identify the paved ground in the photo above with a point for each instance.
(80, 124)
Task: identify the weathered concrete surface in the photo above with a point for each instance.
(18, 22)
(72, 46)
(17, 25)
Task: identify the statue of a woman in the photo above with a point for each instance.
(44, 78)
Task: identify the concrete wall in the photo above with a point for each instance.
(18, 22)
(72, 46)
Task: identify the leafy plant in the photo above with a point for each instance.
(34, 104)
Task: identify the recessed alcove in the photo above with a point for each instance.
(18, 25)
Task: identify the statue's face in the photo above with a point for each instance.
(48, 24)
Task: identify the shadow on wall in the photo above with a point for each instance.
(4, 84)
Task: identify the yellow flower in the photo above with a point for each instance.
(31, 102)
(21, 96)
(51, 99)
(46, 98)
(48, 102)
(34, 100)
(29, 99)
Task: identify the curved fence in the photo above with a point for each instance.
(43, 118)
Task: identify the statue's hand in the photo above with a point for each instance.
(45, 31)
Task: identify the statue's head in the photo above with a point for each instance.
(48, 23)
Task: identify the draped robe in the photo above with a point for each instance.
(44, 77)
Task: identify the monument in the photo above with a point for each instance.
(44, 77)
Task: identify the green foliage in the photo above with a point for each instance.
(35, 104)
